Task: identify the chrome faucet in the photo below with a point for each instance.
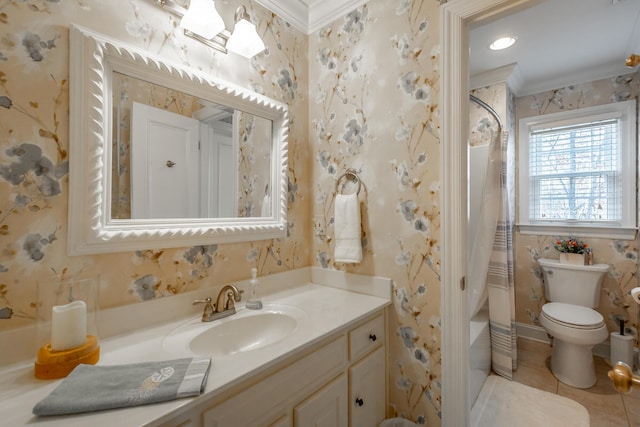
(224, 305)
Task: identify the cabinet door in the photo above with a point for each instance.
(325, 408)
(367, 390)
(268, 401)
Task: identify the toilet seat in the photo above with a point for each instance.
(572, 316)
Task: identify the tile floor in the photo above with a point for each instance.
(606, 406)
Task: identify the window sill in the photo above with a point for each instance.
(582, 231)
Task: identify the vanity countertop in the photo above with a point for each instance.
(328, 309)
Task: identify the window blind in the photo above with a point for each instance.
(575, 172)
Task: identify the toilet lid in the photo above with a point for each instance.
(573, 315)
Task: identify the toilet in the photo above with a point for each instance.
(573, 291)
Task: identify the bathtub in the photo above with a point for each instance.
(479, 352)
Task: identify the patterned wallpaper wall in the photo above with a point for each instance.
(34, 121)
(482, 125)
(373, 106)
(362, 93)
(621, 255)
(254, 164)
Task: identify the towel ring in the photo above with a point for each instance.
(349, 174)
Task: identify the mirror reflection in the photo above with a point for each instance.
(175, 155)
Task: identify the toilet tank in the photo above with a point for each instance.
(572, 284)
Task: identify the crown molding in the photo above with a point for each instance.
(508, 73)
(309, 16)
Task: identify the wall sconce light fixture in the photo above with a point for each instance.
(201, 21)
(245, 40)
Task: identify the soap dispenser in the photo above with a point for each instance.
(254, 303)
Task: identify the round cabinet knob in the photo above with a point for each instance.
(170, 164)
(359, 401)
(373, 337)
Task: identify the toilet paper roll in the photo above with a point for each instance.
(621, 349)
(635, 293)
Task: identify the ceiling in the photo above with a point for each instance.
(560, 42)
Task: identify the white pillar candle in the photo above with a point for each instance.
(68, 325)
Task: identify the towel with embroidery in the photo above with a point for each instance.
(95, 388)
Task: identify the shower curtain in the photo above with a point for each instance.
(491, 270)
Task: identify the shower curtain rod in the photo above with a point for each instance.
(487, 107)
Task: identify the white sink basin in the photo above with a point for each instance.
(245, 331)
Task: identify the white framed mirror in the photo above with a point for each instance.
(164, 156)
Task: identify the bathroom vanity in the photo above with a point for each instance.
(340, 381)
(330, 367)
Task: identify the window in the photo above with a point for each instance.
(577, 172)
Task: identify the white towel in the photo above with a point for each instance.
(347, 228)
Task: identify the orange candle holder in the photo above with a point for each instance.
(51, 364)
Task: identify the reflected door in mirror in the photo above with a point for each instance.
(225, 176)
(164, 160)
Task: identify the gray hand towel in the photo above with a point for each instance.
(94, 388)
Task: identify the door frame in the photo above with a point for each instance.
(456, 17)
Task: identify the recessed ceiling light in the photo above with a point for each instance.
(502, 43)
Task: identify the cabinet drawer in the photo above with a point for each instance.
(366, 337)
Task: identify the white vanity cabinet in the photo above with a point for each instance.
(366, 390)
(337, 382)
(325, 408)
(367, 373)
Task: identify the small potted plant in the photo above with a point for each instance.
(571, 250)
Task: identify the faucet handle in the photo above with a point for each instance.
(209, 308)
(231, 297)
(207, 300)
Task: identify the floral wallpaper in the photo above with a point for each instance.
(373, 106)
(621, 255)
(34, 121)
(254, 165)
(362, 93)
(483, 127)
